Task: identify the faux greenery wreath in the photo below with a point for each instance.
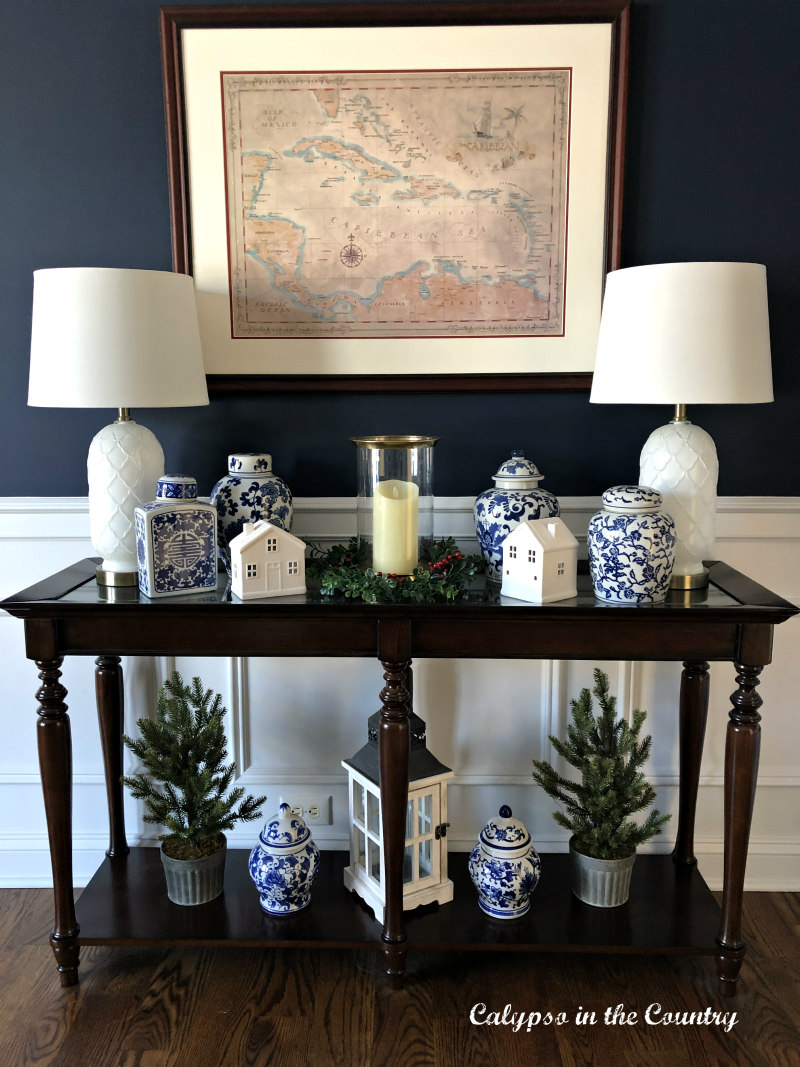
(442, 573)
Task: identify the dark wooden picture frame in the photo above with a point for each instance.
(439, 14)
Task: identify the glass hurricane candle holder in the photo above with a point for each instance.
(395, 500)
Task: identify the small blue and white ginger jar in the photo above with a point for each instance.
(631, 546)
(515, 498)
(505, 867)
(284, 864)
(249, 492)
(176, 540)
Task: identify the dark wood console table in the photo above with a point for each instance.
(670, 908)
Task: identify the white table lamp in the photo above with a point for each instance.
(111, 338)
(684, 333)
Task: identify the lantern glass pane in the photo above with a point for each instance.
(410, 818)
(425, 810)
(373, 814)
(359, 855)
(374, 860)
(408, 865)
(426, 858)
(358, 803)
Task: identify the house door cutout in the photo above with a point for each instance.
(273, 576)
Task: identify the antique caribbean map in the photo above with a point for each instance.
(397, 204)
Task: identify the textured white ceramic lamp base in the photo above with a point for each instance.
(124, 465)
(680, 461)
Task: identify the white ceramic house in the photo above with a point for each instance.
(267, 561)
(540, 561)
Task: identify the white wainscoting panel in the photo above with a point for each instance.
(291, 721)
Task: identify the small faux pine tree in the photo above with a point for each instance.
(183, 750)
(608, 755)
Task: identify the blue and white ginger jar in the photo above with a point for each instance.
(249, 492)
(631, 546)
(176, 540)
(284, 863)
(515, 498)
(505, 867)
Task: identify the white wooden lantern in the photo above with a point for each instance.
(425, 861)
(540, 561)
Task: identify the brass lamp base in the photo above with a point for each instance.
(116, 578)
(117, 586)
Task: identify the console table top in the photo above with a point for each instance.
(729, 594)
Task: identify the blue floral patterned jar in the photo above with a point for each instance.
(176, 540)
(284, 863)
(247, 493)
(505, 867)
(631, 546)
(516, 497)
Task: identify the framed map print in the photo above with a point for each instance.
(397, 196)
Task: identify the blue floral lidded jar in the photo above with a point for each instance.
(631, 546)
(515, 498)
(249, 492)
(176, 540)
(284, 863)
(505, 867)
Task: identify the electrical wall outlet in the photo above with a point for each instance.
(316, 810)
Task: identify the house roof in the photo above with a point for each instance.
(548, 533)
(254, 532)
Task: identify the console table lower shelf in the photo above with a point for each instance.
(670, 909)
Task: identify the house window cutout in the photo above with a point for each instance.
(561, 568)
(512, 551)
(252, 570)
(293, 566)
(272, 544)
(531, 555)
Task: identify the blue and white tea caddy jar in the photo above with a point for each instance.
(516, 497)
(249, 492)
(631, 546)
(505, 867)
(176, 540)
(284, 863)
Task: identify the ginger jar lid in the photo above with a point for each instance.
(284, 832)
(505, 837)
(176, 487)
(517, 472)
(250, 463)
(636, 498)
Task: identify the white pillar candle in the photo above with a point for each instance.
(394, 530)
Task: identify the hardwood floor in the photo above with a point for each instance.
(229, 1007)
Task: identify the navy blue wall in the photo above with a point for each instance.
(713, 172)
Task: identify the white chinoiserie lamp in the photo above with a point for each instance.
(684, 333)
(116, 338)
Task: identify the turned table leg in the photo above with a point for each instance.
(693, 716)
(55, 763)
(393, 749)
(741, 770)
(109, 693)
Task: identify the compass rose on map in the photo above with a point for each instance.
(351, 255)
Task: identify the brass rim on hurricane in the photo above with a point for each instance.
(394, 441)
